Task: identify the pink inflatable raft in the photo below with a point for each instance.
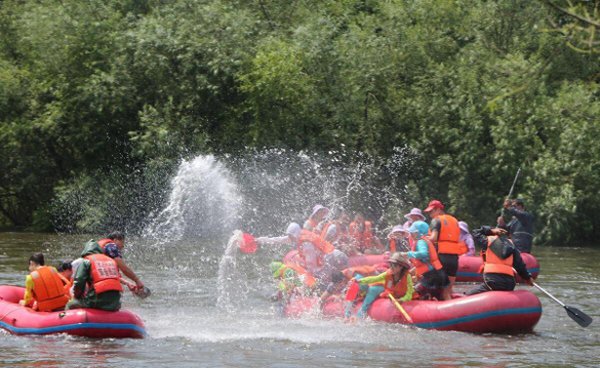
(20, 320)
(492, 312)
(468, 266)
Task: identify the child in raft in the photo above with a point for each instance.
(396, 281)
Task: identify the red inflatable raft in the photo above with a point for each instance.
(468, 266)
(20, 320)
(495, 311)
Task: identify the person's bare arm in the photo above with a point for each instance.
(129, 272)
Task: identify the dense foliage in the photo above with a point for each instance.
(92, 90)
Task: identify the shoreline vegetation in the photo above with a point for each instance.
(100, 101)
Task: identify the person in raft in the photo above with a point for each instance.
(432, 279)
(100, 274)
(311, 247)
(293, 280)
(112, 246)
(445, 235)
(361, 231)
(501, 259)
(466, 238)
(398, 238)
(45, 288)
(314, 221)
(520, 224)
(396, 281)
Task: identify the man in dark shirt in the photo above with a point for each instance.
(503, 249)
(520, 225)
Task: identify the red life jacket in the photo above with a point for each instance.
(48, 289)
(422, 267)
(364, 239)
(448, 241)
(495, 264)
(398, 289)
(105, 273)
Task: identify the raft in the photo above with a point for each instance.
(505, 312)
(20, 320)
(468, 266)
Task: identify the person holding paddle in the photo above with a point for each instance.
(520, 225)
(501, 260)
(396, 281)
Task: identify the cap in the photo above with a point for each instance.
(434, 204)
(294, 230)
(420, 227)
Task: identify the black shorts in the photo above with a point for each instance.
(449, 263)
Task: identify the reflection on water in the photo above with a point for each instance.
(189, 325)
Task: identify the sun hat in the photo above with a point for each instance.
(399, 259)
(414, 212)
(398, 229)
(318, 208)
(463, 226)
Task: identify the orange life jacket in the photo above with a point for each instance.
(398, 289)
(448, 241)
(495, 264)
(422, 267)
(105, 273)
(323, 246)
(305, 276)
(48, 289)
(364, 238)
(393, 245)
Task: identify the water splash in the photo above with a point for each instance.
(204, 202)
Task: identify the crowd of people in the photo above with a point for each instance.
(424, 256)
(93, 280)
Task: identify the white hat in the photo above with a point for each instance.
(294, 230)
(463, 226)
(415, 212)
(398, 229)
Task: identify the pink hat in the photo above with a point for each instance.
(434, 204)
(414, 212)
(463, 226)
(318, 208)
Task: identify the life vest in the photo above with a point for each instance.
(102, 243)
(105, 273)
(448, 241)
(364, 239)
(397, 290)
(493, 262)
(323, 246)
(393, 245)
(48, 289)
(305, 276)
(434, 262)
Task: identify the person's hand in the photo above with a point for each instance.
(498, 231)
(529, 281)
(139, 284)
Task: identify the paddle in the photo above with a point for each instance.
(352, 291)
(401, 309)
(576, 315)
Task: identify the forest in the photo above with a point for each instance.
(96, 90)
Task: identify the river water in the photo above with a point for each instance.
(210, 307)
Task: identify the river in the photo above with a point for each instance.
(212, 309)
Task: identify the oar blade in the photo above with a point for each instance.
(578, 316)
